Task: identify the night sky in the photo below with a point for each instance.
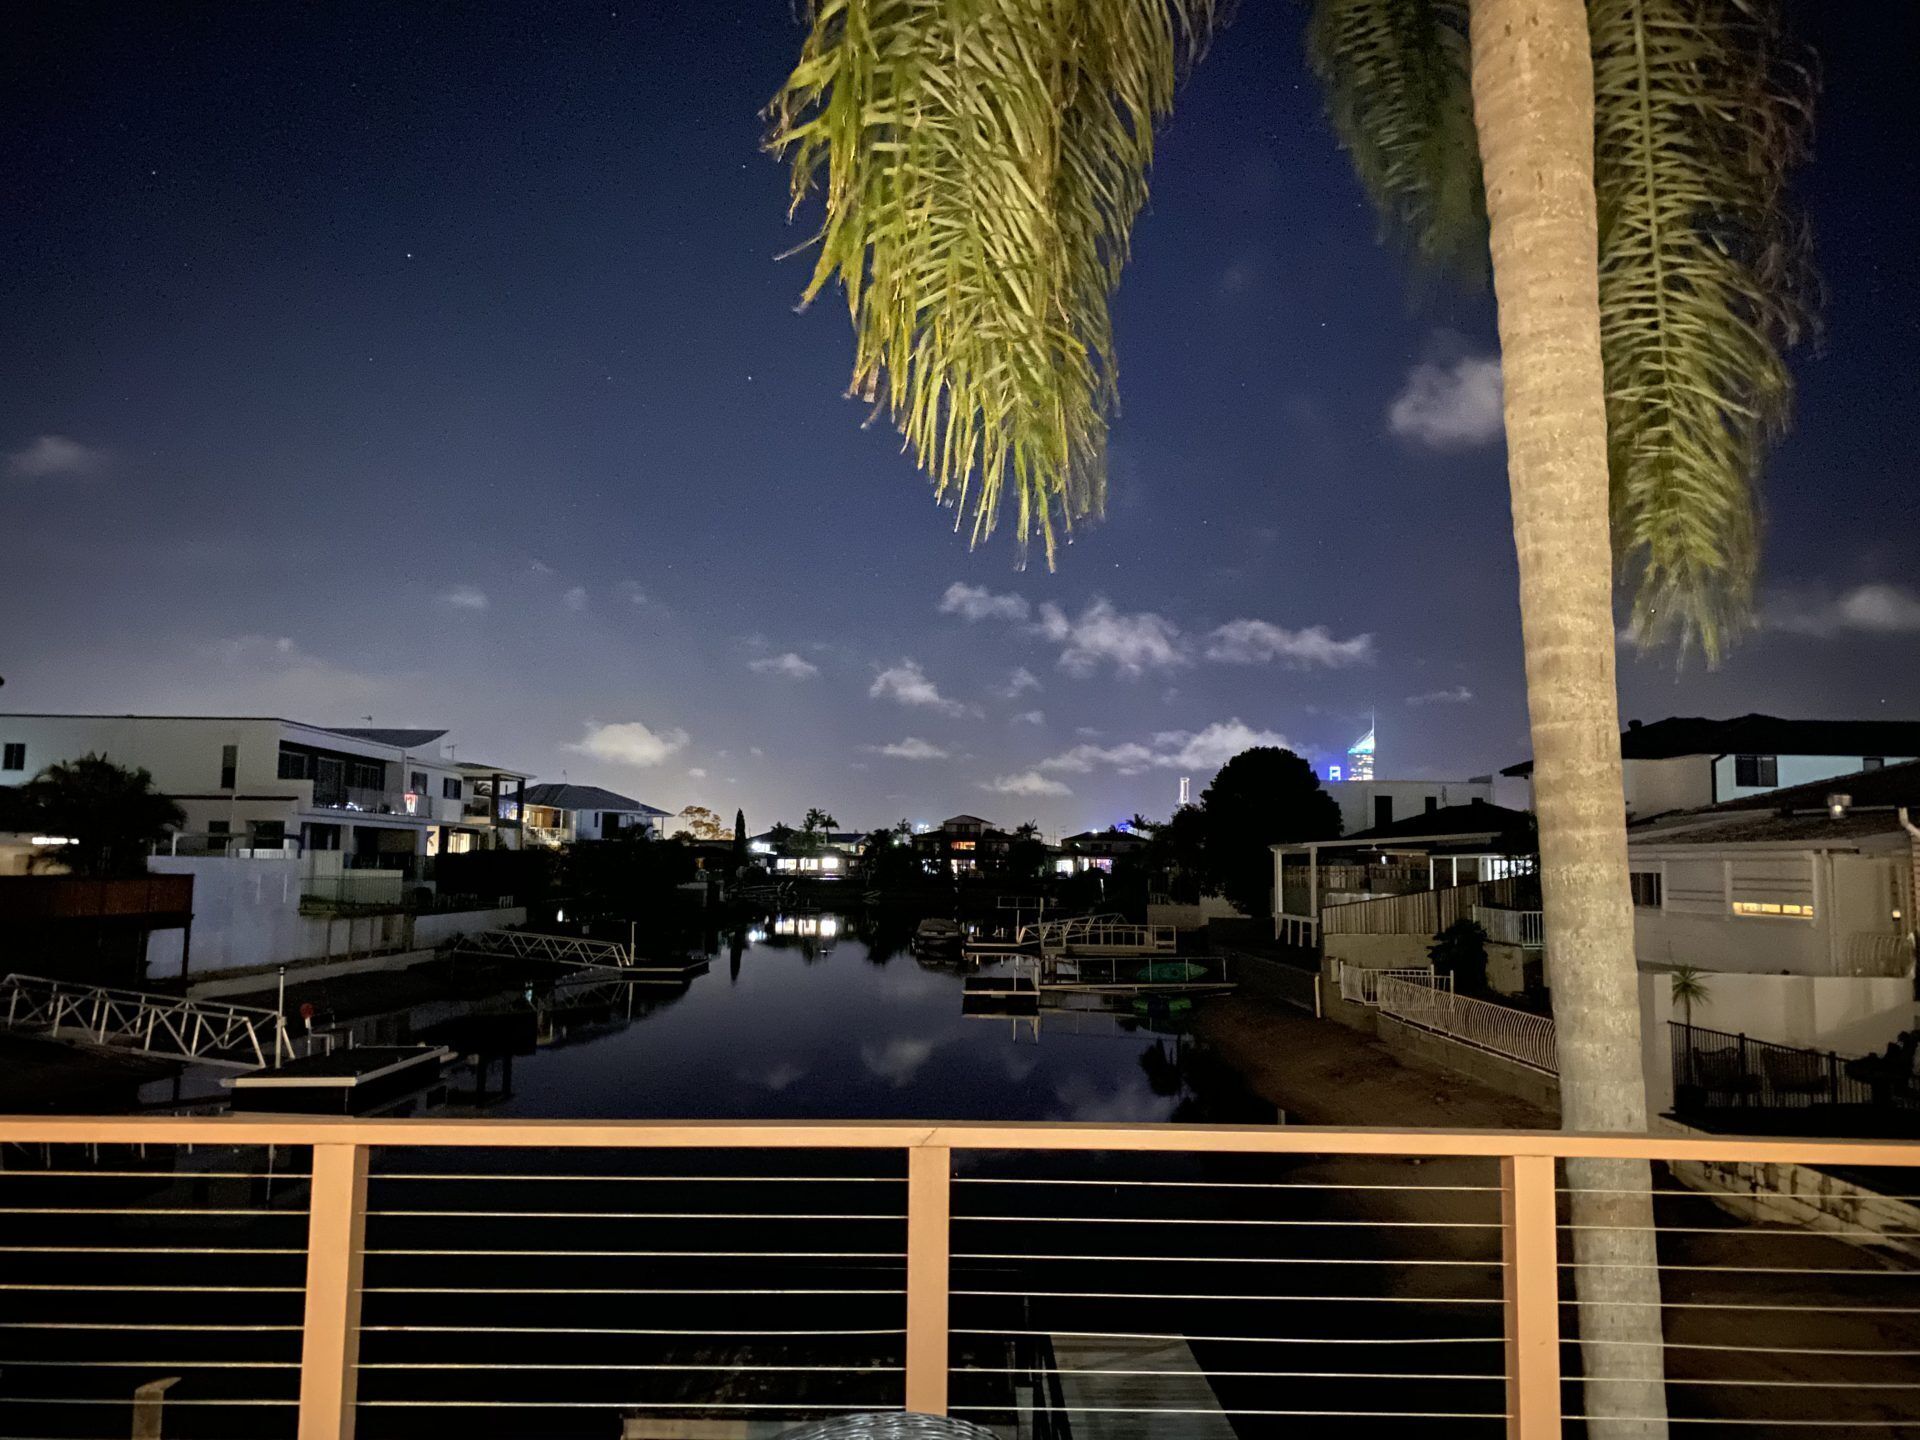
(434, 363)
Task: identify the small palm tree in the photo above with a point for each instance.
(1689, 988)
(110, 815)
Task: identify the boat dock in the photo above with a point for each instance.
(341, 1082)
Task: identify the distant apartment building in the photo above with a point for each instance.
(1686, 762)
(556, 813)
(266, 783)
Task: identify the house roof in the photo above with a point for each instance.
(1110, 835)
(1796, 814)
(559, 796)
(1477, 817)
(1760, 735)
(963, 820)
(382, 735)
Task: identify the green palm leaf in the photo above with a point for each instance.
(982, 162)
(1397, 81)
(1701, 110)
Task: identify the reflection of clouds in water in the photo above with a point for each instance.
(897, 1060)
(777, 1078)
(1082, 1099)
(1019, 1063)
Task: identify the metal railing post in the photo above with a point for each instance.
(1528, 1247)
(336, 1237)
(929, 1187)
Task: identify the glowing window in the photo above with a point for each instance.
(1773, 909)
(963, 844)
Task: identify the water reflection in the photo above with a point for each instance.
(815, 1022)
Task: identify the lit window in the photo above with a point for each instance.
(963, 844)
(1773, 909)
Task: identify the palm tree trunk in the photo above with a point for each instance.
(1533, 110)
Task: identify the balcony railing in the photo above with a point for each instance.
(372, 802)
(1511, 927)
(477, 1276)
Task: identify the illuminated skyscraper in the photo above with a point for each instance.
(1360, 757)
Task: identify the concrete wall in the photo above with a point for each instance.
(1821, 1012)
(1422, 1047)
(247, 913)
(1193, 917)
(1680, 782)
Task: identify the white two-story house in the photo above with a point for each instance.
(265, 783)
(1686, 762)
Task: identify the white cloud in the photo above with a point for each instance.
(1128, 759)
(539, 566)
(907, 684)
(1256, 642)
(465, 597)
(272, 674)
(633, 593)
(48, 456)
(1449, 407)
(789, 666)
(914, 748)
(629, 743)
(1200, 750)
(575, 599)
(1132, 644)
(1212, 747)
(1458, 695)
(1021, 681)
(1876, 609)
(1029, 717)
(1027, 782)
(976, 602)
(696, 773)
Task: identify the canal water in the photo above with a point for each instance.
(818, 1017)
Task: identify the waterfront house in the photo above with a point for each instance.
(1686, 762)
(1370, 804)
(830, 857)
(1098, 849)
(559, 813)
(264, 783)
(963, 845)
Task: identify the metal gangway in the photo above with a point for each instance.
(1103, 934)
(167, 1027)
(556, 949)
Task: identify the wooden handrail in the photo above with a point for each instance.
(521, 1134)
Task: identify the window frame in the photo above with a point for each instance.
(1654, 881)
(1765, 769)
(13, 755)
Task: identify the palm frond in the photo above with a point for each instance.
(1398, 91)
(1701, 111)
(982, 162)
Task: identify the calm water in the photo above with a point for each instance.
(839, 1023)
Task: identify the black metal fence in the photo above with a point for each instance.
(1716, 1071)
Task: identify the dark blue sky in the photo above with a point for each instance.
(434, 363)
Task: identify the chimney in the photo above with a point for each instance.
(1633, 724)
(1838, 805)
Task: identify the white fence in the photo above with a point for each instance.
(1361, 986)
(1511, 927)
(167, 1026)
(1498, 1029)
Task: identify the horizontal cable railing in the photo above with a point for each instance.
(231, 1276)
(1499, 1029)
